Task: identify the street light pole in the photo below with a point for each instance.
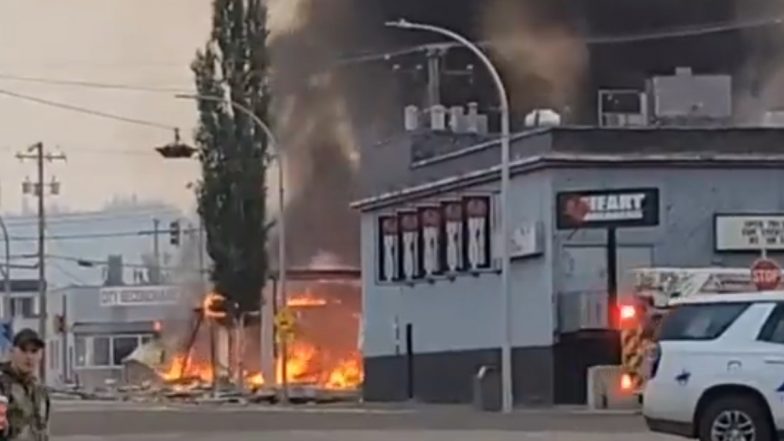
(6, 271)
(503, 96)
(281, 192)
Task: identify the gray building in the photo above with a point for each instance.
(103, 325)
(430, 261)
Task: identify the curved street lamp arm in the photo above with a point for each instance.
(259, 122)
(405, 24)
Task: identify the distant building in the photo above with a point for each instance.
(101, 326)
(20, 309)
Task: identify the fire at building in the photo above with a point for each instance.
(322, 351)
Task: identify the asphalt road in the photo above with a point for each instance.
(147, 422)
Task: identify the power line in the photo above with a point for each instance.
(97, 263)
(83, 236)
(93, 216)
(99, 151)
(69, 274)
(85, 110)
(679, 32)
(94, 85)
(676, 32)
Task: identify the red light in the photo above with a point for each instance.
(628, 312)
(626, 382)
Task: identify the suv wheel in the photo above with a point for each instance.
(735, 418)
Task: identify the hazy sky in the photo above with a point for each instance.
(138, 42)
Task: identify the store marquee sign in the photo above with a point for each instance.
(608, 208)
(744, 232)
(139, 296)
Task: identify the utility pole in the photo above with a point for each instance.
(36, 152)
(156, 251)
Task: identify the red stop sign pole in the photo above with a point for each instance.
(766, 274)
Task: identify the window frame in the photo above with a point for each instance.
(88, 341)
(744, 306)
(767, 329)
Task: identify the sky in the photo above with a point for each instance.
(148, 43)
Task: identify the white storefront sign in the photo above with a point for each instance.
(526, 240)
(139, 296)
(749, 232)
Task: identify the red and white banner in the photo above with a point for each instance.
(477, 213)
(431, 220)
(409, 225)
(389, 246)
(454, 238)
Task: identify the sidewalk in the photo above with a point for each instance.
(384, 436)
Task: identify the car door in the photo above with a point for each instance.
(770, 343)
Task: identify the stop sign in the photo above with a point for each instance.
(766, 274)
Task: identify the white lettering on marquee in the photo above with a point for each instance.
(614, 207)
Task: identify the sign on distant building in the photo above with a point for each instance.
(608, 208)
(736, 232)
(140, 295)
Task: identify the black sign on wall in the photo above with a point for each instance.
(617, 208)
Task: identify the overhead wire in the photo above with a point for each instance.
(674, 32)
(55, 237)
(86, 110)
(97, 216)
(93, 84)
(679, 32)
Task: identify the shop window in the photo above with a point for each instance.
(80, 349)
(101, 351)
(23, 307)
(123, 347)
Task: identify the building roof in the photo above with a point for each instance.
(21, 286)
(571, 147)
(757, 296)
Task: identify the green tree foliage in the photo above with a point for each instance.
(233, 150)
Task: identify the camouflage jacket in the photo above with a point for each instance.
(28, 406)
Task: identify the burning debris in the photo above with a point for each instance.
(207, 358)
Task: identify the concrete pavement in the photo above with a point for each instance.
(84, 421)
(382, 436)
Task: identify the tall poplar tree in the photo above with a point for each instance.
(233, 150)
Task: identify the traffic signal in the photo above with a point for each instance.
(174, 232)
(176, 150)
(59, 324)
(7, 331)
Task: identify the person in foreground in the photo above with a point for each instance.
(26, 416)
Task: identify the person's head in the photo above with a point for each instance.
(27, 352)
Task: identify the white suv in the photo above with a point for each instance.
(717, 369)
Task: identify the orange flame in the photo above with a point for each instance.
(305, 300)
(302, 367)
(306, 363)
(626, 382)
(211, 301)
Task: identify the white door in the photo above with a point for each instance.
(770, 372)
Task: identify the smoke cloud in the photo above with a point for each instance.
(321, 110)
(760, 81)
(543, 60)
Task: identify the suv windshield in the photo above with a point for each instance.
(705, 321)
